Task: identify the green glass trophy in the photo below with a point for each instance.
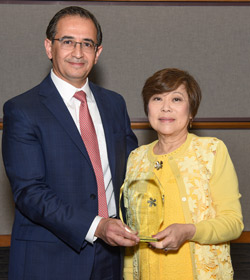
(144, 205)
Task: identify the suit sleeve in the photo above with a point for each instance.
(132, 142)
(25, 167)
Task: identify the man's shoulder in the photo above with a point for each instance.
(96, 89)
(23, 98)
(31, 94)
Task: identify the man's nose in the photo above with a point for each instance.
(78, 50)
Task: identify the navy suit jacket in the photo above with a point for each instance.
(53, 182)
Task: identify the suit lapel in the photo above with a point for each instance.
(104, 108)
(54, 102)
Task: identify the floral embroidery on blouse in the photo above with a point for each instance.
(196, 167)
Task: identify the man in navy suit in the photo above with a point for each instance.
(57, 232)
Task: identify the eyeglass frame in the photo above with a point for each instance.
(75, 42)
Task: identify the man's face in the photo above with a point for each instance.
(73, 66)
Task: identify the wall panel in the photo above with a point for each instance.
(211, 41)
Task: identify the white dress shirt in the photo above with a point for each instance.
(67, 92)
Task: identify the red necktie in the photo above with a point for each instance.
(90, 140)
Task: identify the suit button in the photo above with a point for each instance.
(92, 196)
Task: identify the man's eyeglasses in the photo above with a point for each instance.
(70, 44)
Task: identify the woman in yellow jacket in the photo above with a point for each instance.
(182, 190)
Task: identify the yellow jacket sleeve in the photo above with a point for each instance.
(228, 223)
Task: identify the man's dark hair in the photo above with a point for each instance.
(72, 11)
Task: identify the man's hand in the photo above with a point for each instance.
(115, 233)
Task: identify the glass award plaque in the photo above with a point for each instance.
(144, 205)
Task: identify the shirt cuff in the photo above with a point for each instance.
(90, 237)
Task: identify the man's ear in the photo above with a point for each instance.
(97, 54)
(48, 47)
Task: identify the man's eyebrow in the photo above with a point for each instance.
(89, 40)
(84, 39)
(67, 37)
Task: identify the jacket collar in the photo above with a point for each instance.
(54, 102)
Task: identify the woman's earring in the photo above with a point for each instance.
(191, 123)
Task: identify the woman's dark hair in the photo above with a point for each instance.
(170, 79)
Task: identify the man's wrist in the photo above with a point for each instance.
(90, 236)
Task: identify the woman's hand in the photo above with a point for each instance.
(172, 237)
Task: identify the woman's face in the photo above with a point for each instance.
(169, 113)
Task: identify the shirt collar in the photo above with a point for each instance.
(67, 91)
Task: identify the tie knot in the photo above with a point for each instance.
(81, 96)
